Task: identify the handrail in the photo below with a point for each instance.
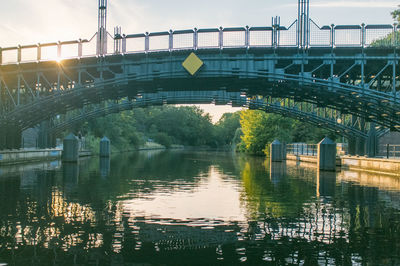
(339, 36)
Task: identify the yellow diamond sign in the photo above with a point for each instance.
(192, 64)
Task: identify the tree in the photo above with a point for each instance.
(260, 129)
(396, 15)
(226, 127)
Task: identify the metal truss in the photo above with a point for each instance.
(325, 117)
(31, 93)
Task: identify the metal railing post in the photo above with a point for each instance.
(387, 151)
(221, 38)
(59, 49)
(19, 54)
(363, 37)
(80, 48)
(195, 39)
(332, 35)
(146, 42)
(39, 52)
(247, 37)
(394, 37)
(171, 40)
(123, 44)
(273, 34)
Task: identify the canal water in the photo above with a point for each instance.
(195, 208)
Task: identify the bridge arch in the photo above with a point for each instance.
(52, 88)
(283, 107)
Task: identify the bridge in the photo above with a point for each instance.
(347, 70)
(331, 120)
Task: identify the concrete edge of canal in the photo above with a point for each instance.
(11, 157)
(373, 165)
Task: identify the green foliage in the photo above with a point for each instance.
(249, 131)
(260, 129)
(392, 38)
(166, 125)
(396, 15)
(226, 129)
(163, 139)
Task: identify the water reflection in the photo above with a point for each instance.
(105, 163)
(182, 208)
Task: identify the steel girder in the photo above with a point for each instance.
(358, 82)
(328, 118)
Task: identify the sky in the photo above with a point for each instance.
(40, 21)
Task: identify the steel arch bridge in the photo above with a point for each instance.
(352, 69)
(330, 119)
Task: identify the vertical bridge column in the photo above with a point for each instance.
(70, 149)
(327, 155)
(105, 150)
(277, 151)
(10, 137)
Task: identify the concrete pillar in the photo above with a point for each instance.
(11, 136)
(372, 147)
(360, 146)
(352, 146)
(45, 140)
(104, 166)
(326, 183)
(327, 155)
(105, 150)
(71, 149)
(276, 151)
(277, 171)
(2, 137)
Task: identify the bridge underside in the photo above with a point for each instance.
(359, 83)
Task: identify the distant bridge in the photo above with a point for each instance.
(352, 69)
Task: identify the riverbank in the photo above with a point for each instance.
(372, 165)
(26, 156)
(14, 157)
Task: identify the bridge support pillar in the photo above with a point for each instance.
(277, 151)
(105, 150)
(372, 146)
(2, 137)
(45, 140)
(356, 146)
(327, 155)
(70, 149)
(360, 146)
(10, 137)
(352, 146)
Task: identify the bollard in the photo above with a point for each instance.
(276, 151)
(70, 151)
(327, 155)
(105, 147)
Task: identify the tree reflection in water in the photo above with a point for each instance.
(93, 213)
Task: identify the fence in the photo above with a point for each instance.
(217, 38)
(302, 149)
(389, 151)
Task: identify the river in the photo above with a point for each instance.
(195, 208)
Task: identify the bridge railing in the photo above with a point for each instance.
(389, 151)
(302, 149)
(217, 38)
